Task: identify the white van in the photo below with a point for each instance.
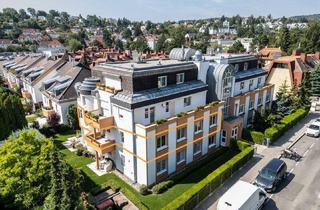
(242, 196)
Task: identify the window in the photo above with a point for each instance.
(212, 140)
(251, 82)
(241, 85)
(187, 101)
(161, 166)
(120, 113)
(198, 127)
(213, 121)
(259, 80)
(180, 78)
(162, 81)
(224, 136)
(241, 109)
(246, 65)
(268, 96)
(167, 106)
(181, 134)
(251, 104)
(259, 101)
(122, 160)
(236, 67)
(121, 136)
(181, 156)
(197, 148)
(161, 142)
(146, 113)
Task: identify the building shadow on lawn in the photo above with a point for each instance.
(214, 197)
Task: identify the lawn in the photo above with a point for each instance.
(94, 182)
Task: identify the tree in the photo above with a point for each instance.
(127, 34)
(72, 117)
(315, 82)
(65, 184)
(12, 115)
(259, 123)
(32, 12)
(161, 43)
(310, 40)
(74, 45)
(119, 45)
(284, 102)
(305, 89)
(237, 47)
(24, 166)
(284, 38)
(107, 38)
(140, 44)
(53, 120)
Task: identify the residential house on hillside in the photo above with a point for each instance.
(4, 43)
(51, 47)
(58, 91)
(267, 55)
(30, 34)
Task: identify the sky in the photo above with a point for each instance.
(162, 10)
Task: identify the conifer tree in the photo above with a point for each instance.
(315, 82)
(284, 102)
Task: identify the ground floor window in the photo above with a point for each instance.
(212, 140)
(197, 148)
(161, 166)
(224, 136)
(181, 156)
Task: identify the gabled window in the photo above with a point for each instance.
(162, 81)
(180, 78)
(187, 101)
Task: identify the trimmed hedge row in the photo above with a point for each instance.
(199, 191)
(286, 123)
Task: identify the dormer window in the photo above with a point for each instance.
(246, 65)
(236, 67)
(162, 81)
(180, 78)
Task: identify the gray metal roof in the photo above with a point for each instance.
(182, 54)
(250, 73)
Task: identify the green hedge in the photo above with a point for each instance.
(286, 123)
(190, 198)
(253, 136)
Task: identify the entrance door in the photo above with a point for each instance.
(152, 110)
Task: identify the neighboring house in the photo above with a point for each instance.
(58, 92)
(267, 55)
(51, 47)
(32, 78)
(152, 41)
(31, 35)
(151, 118)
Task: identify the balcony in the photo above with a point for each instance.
(47, 111)
(26, 94)
(97, 122)
(99, 144)
(107, 89)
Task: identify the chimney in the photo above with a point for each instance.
(317, 55)
(296, 52)
(303, 57)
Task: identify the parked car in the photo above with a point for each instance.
(271, 175)
(242, 196)
(313, 129)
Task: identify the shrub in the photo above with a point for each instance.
(53, 119)
(143, 189)
(162, 187)
(257, 137)
(80, 150)
(181, 114)
(159, 122)
(199, 108)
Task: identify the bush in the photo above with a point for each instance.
(190, 198)
(159, 122)
(80, 150)
(162, 187)
(143, 189)
(257, 137)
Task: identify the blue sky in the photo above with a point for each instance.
(160, 10)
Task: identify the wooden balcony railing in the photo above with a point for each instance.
(102, 148)
(97, 122)
(47, 112)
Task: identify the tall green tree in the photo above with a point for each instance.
(24, 166)
(310, 40)
(284, 102)
(140, 44)
(305, 89)
(315, 82)
(72, 117)
(12, 115)
(74, 45)
(237, 47)
(284, 39)
(107, 38)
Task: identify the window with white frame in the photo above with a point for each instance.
(268, 96)
(122, 159)
(146, 113)
(198, 126)
(250, 83)
(180, 78)
(212, 140)
(121, 136)
(162, 142)
(241, 109)
(197, 148)
(213, 121)
(181, 156)
(181, 134)
(246, 66)
(187, 101)
(161, 166)
(162, 81)
(241, 85)
(251, 104)
(224, 136)
(167, 106)
(259, 81)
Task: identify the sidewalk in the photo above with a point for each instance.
(262, 156)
